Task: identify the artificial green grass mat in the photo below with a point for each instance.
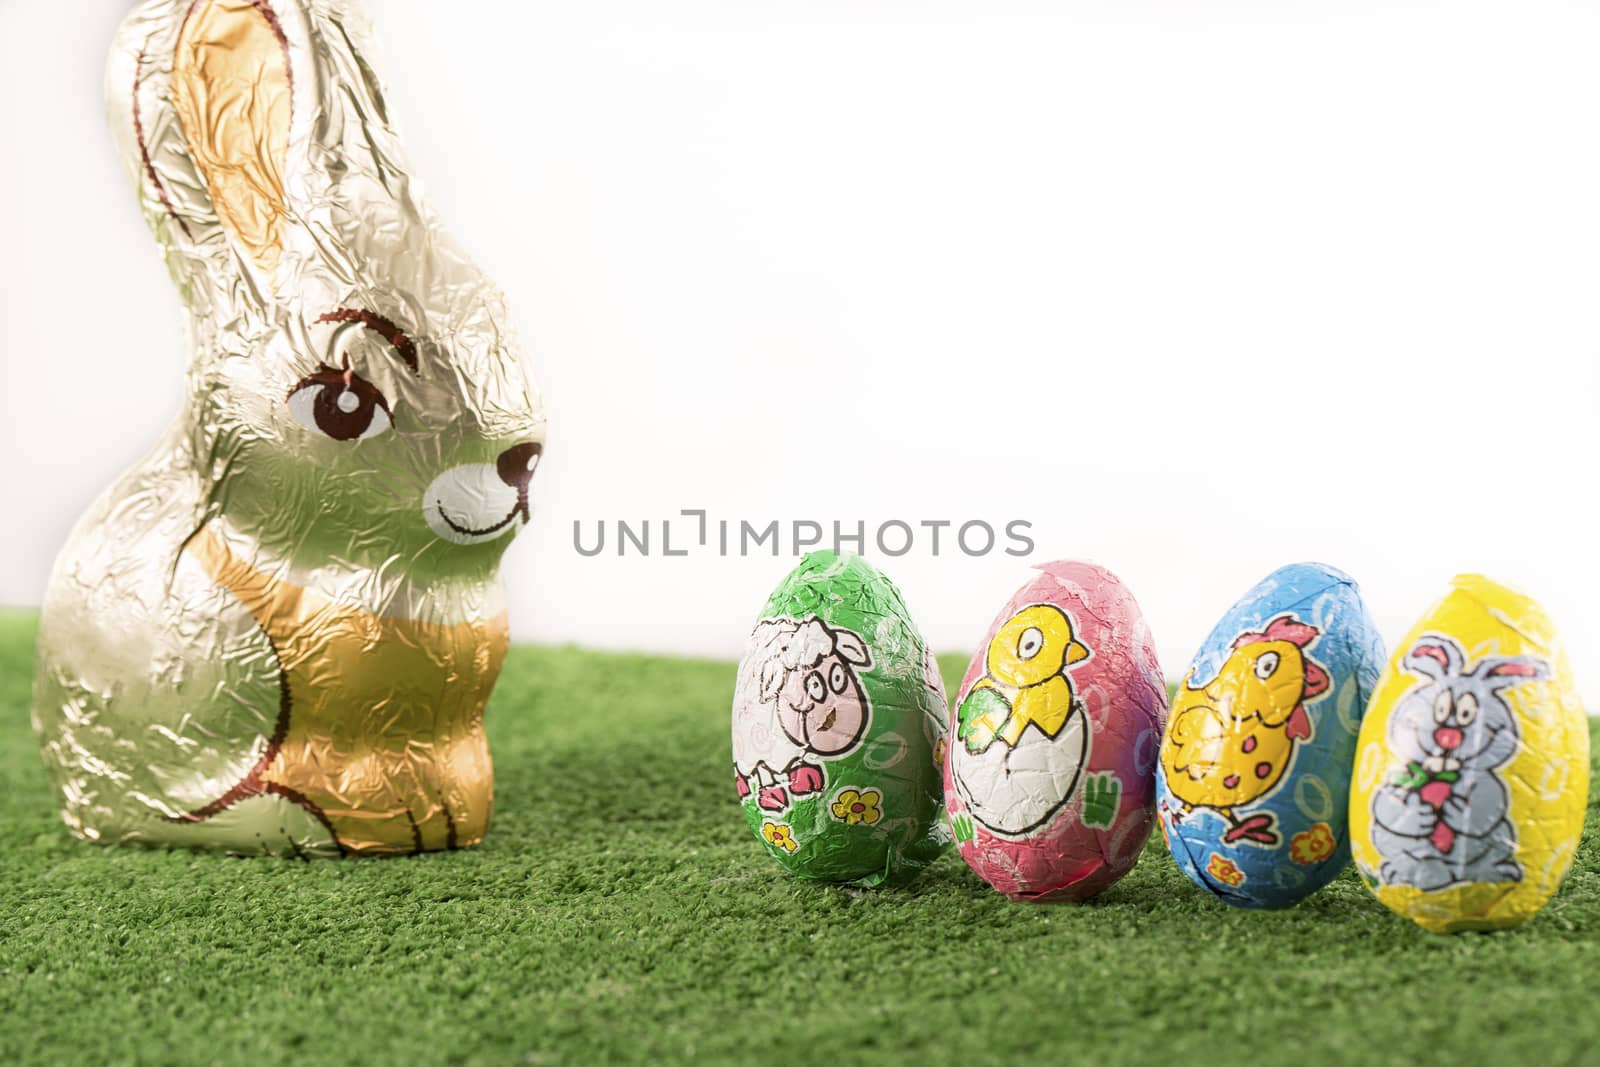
(620, 910)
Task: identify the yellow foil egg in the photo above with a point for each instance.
(1472, 769)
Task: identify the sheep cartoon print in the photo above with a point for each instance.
(797, 702)
(1443, 816)
(839, 727)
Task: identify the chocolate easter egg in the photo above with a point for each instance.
(1050, 772)
(1254, 776)
(1473, 768)
(838, 723)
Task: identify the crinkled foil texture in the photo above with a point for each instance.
(1472, 775)
(1253, 783)
(278, 631)
(838, 728)
(1050, 777)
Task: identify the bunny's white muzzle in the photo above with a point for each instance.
(470, 504)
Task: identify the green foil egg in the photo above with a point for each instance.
(838, 728)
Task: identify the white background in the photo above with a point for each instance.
(1197, 288)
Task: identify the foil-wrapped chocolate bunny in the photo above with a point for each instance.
(278, 632)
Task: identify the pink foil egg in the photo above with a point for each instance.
(1050, 772)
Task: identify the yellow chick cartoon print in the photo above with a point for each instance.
(1025, 681)
(1230, 740)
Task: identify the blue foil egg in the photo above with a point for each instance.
(1253, 783)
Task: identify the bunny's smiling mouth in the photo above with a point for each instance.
(520, 508)
(478, 502)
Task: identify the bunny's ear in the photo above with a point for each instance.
(202, 96)
(1501, 671)
(233, 92)
(1435, 656)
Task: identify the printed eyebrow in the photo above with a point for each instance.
(380, 326)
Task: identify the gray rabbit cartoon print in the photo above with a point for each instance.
(277, 632)
(1472, 767)
(1443, 817)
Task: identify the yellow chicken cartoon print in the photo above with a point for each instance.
(1025, 681)
(1230, 741)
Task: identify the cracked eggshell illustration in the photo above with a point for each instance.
(277, 632)
(1253, 783)
(1473, 770)
(1049, 775)
(838, 728)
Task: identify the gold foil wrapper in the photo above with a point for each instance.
(277, 633)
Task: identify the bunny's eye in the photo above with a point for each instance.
(1466, 709)
(1442, 705)
(339, 404)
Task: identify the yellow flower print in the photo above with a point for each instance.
(852, 806)
(777, 835)
(1312, 846)
(1223, 870)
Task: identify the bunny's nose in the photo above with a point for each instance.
(517, 463)
(1447, 737)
